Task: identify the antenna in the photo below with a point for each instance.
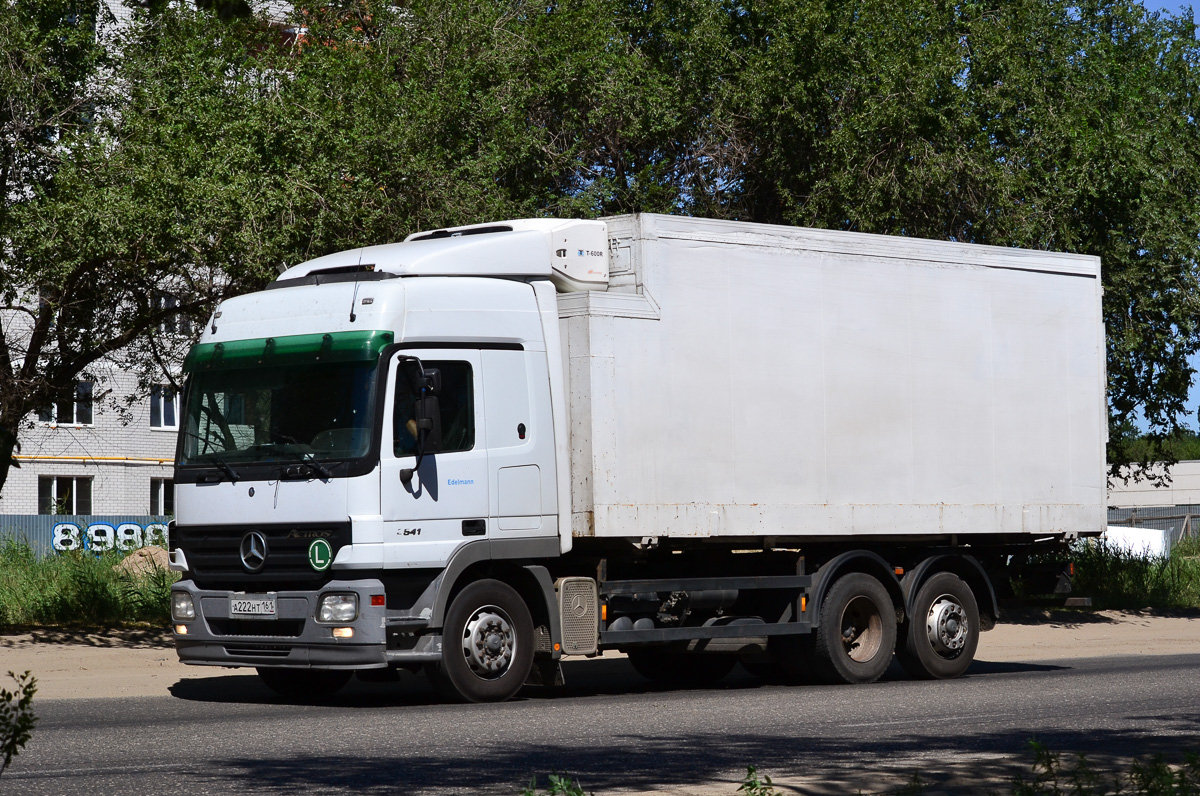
(354, 298)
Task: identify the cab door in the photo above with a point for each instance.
(446, 501)
(520, 444)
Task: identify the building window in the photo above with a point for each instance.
(162, 496)
(178, 323)
(72, 408)
(164, 407)
(64, 494)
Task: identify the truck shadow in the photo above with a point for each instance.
(583, 678)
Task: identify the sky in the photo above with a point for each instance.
(1173, 8)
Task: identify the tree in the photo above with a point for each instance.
(1045, 125)
(50, 54)
(78, 283)
(216, 150)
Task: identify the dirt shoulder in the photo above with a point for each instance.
(123, 663)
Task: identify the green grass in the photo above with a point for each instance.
(75, 589)
(1117, 579)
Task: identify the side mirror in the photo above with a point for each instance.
(429, 424)
(427, 415)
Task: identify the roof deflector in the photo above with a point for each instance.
(445, 233)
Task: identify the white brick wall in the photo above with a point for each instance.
(276, 10)
(119, 11)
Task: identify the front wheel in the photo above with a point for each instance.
(303, 683)
(487, 644)
(857, 632)
(941, 636)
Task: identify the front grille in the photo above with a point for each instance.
(259, 650)
(214, 557)
(278, 628)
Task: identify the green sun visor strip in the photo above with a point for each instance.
(295, 349)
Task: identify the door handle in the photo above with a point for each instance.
(474, 527)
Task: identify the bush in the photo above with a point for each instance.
(1116, 578)
(558, 785)
(77, 588)
(16, 717)
(1145, 778)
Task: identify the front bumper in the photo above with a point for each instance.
(292, 638)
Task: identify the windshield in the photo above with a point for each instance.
(279, 413)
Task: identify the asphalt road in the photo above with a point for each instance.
(228, 734)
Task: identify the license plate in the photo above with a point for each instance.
(253, 605)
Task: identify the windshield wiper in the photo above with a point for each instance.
(224, 467)
(220, 462)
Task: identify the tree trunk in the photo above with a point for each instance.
(8, 444)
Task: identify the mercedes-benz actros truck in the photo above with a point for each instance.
(697, 442)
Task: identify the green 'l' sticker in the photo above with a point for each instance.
(320, 554)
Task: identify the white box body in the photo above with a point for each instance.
(742, 379)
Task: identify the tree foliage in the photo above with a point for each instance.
(48, 56)
(225, 146)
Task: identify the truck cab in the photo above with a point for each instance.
(349, 430)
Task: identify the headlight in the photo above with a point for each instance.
(338, 608)
(182, 606)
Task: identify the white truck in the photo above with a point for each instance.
(697, 442)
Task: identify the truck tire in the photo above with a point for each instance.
(684, 669)
(940, 637)
(303, 684)
(487, 644)
(857, 632)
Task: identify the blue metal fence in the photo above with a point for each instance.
(56, 533)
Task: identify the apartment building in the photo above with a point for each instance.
(89, 454)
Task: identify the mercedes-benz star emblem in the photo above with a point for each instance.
(254, 551)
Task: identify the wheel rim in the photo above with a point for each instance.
(862, 629)
(489, 642)
(946, 627)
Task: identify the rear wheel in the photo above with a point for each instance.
(306, 684)
(487, 644)
(675, 667)
(857, 632)
(939, 640)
